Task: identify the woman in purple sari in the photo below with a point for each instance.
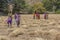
(45, 15)
(9, 21)
(17, 19)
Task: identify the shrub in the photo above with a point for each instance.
(58, 11)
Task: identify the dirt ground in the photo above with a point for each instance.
(31, 29)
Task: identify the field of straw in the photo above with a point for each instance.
(31, 29)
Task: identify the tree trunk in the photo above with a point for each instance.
(10, 9)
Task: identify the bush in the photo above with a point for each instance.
(58, 12)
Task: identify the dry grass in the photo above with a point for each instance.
(34, 29)
(4, 38)
(18, 31)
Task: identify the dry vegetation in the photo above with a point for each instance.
(32, 29)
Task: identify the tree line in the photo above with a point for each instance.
(22, 6)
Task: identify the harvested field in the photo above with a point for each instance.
(32, 29)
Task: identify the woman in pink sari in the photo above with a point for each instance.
(37, 15)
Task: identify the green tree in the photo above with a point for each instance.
(39, 7)
(3, 5)
(58, 5)
(51, 5)
(19, 5)
(47, 5)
